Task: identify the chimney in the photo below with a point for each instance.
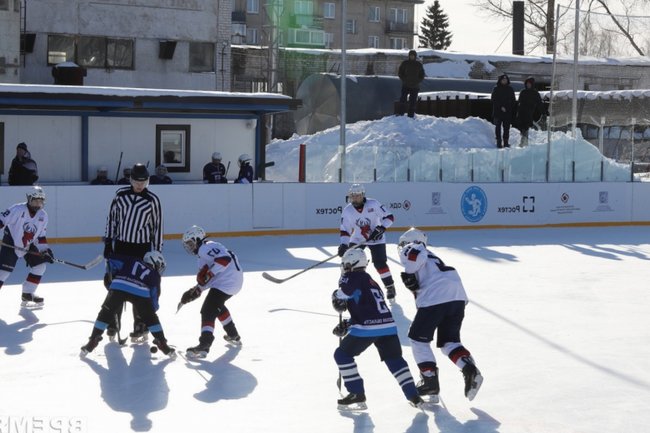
(518, 28)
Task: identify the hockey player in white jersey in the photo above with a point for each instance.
(364, 220)
(440, 299)
(24, 227)
(221, 275)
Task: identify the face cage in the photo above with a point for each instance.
(356, 197)
(36, 208)
(191, 246)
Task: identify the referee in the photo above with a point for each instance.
(133, 228)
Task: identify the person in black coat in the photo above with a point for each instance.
(529, 108)
(503, 109)
(411, 72)
(102, 177)
(23, 170)
(215, 171)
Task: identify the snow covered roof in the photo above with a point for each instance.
(603, 95)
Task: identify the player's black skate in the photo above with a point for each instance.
(429, 386)
(416, 401)
(164, 348)
(390, 292)
(140, 333)
(32, 301)
(352, 402)
(111, 333)
(201, 350)
(235, 340)
(473, 378)
(90, 346)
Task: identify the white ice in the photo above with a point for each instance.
(558, 324)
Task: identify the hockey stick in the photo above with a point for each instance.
(91, 264)
(338, 381)
(282, 280)
(119, 165)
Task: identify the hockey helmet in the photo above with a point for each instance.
(354, 258)
(216, 156)
(139, 173)
(36, 193)
(192, 239)
(161, 170)
(356, 194)
(412, 235)
(243, 159)
(156, 260)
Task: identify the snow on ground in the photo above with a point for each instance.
(557, 322)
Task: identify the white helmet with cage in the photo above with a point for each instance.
(356, 194)
(412, 235)
(354, 258)
(156, 260)
(192, 239)
(36, 193)
(243, 158)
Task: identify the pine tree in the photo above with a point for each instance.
(434, 33)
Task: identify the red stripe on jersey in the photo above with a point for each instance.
(42, 240)
(224, 316)
(413, 255)
(383, 270)
(458, 353)
(208, 323)
(223, 261)
(344, 233)
(34, 279)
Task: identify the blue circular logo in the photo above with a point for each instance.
(473, 204)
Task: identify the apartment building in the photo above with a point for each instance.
(317, 23)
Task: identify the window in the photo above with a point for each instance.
(60, 48)
(351, 26)
(16, 5)
(253, 6)
(329, 11)
(4, 5)
(91, 52)
(2, 148)
(397, 43)
(201, 57)
(398, 15)
(119, 53)
(173, 147)
(251, 36)
(302, 7)
(374, 14)
(373, 41)
(329, 40)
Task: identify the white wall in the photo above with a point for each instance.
(78, 213)
(10, 44)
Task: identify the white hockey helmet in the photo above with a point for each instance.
(216, 156)
(244, 157)
(36, 193)
(354, 258)
(412, 235)
(356, 193)
(192, 239)
(156, 260)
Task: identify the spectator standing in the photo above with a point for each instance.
(215, 171)
(411, 73)
(102, 177)
(529, 108)
(23, 170)
(503, 109)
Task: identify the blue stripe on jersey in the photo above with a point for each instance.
(372, 332)
(155, 328)
(101, 325)
(134, 289)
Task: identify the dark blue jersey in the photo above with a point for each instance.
(132, 275)
(369, 314)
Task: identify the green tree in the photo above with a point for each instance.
(433, 30)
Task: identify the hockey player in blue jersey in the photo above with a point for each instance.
(371, 322)
(137, 281)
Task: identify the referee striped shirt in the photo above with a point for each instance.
(135, 218)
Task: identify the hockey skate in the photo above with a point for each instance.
(164, 348)
(429, 387)
(90, 346)
(112, 334)
(390, 292)
(140, 333)
(31, 301)
(417, 402)
(201, 350)
(473, 378)
(234, 340)
(352, 402)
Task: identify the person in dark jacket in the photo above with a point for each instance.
(102, 177)
(23, 170)
(503, 109)
(529, 108)
(160, 178)
(411, 73)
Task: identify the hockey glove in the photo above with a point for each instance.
(340, 305)
(342, 249)
(410, 281)
(342, 329)
(191, 294)
(108, 247)
(47, 255)
(376, 233)
(204, 275)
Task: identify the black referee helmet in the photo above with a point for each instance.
(139, 172)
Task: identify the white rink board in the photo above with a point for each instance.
(80, 211)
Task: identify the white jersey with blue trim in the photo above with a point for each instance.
(438, 282)
(24, 228)
(223, 264)
(357, 224)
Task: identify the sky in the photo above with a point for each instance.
(473, 31)
(557, 323)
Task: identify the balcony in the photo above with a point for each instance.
(403, 28)
(306, 38)
(310, 21)
(238, 16)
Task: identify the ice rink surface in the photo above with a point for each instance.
(558, 323)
